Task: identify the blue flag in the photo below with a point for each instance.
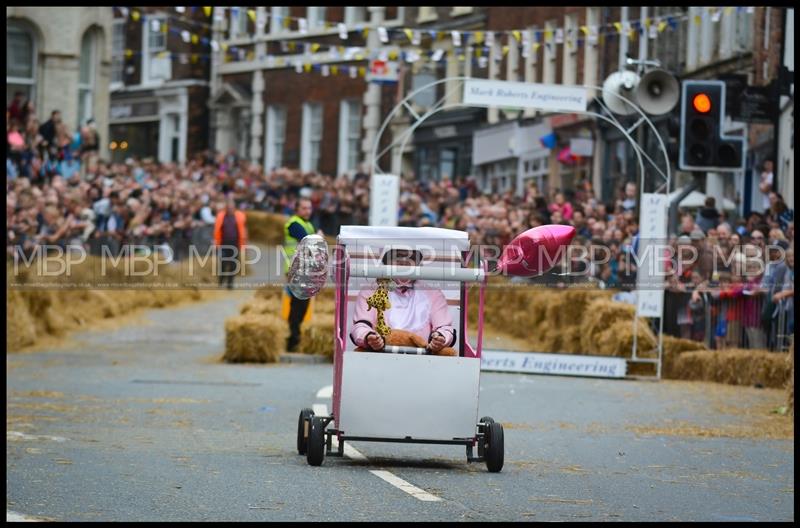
(549, 141)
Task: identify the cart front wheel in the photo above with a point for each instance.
(316, 442)
(303, 426)
(494, 446)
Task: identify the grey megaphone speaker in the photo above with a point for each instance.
(623, 84)
(658, 92)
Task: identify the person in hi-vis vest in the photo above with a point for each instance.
(296, 229)
(230, 237)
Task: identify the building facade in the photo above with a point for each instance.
(159, 83)
(60, 58)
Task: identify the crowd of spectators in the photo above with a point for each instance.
(60, 193)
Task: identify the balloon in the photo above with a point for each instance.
(308, 271)
(535, 251)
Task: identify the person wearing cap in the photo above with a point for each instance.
(422, 311)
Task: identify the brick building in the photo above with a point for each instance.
(159, 83)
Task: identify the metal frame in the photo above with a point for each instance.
(607, 116)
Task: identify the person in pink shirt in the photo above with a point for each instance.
(562, 206)
(421, 311)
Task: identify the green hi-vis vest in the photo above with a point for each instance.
(289, 242)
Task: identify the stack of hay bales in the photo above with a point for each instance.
(265, 228)
(256, 338)
(606, 329)
(734, 367)
(673, 347)
(36, 313)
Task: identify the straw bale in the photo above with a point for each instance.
(672, 348)
(617, 340)
(317, 337)
(254, 338)
(734, 367)
(262, 306)
(20, 328)
(265, 228)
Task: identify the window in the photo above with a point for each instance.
(316, 17)
(86, 77)
(156, 63)
(354, 15)
(238, 22)
(349, 135)
(276, 136)
(279, 14)
(312, 137)
(118, 51)
(20, 61)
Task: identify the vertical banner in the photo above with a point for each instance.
(650, 260)
(384, 200)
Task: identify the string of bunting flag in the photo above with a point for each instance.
(467, 43)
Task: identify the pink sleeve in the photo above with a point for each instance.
(363, 319)
(567, 211)
(441, 320)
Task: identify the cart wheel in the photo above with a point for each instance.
(494, 447)
(303, 425)
(316, 442)
(484, 422)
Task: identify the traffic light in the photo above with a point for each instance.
(703, 147)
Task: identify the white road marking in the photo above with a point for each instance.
(353, 454)
(17, 517)
(412, 490)
(325, 392)
(17, 436)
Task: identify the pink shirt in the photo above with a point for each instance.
(420, 311)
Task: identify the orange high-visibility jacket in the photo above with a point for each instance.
(241, 220)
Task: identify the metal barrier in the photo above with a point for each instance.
(733, 318)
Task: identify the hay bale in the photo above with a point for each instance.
(20, 328)
(599, 315)
(617, 340)
(672, 348)
(254, 338)
(734, 367)
(317, 337)
(269, 292)
(261, 306)
(265, 228)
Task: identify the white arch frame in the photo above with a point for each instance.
(641, 156)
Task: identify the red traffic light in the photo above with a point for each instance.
(702, 103)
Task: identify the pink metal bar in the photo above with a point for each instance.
(481, 298)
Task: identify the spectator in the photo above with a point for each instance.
(708, 216)
(765, 185)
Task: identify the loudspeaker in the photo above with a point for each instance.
(623, 84)
(658, 92)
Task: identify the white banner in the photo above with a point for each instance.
(507, 94)
(384, 71)
(559, 364)
(650, 269)
(384, 200)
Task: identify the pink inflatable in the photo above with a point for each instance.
(536, 250)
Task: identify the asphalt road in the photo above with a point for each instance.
(144, 423)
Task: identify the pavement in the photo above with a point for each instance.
(144, 423)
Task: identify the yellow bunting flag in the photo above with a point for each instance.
(409, 34)
(287, 22)
(195, 39)
(128, 53)
(440, 35)
(632, 34)
(359, 56)
(291, 46)
(505, 49)
(536, 46)
(585, 30)
(207, 11)
(479, 37)
(362, 71)
(195, 58)
(164, 28)
(393, 55)
(135, 15)
(224, 47)
(478, 51)
(517, 35)
(618, 26)
(279, 61)
(314, 47)
(462, 58)
(335, 70)
(365, 32)
(548, 34)
(162, 54)
(251, 55)
(662, 26)
(697, 20)
(306, 68)
(252, 14)
(728, 10)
